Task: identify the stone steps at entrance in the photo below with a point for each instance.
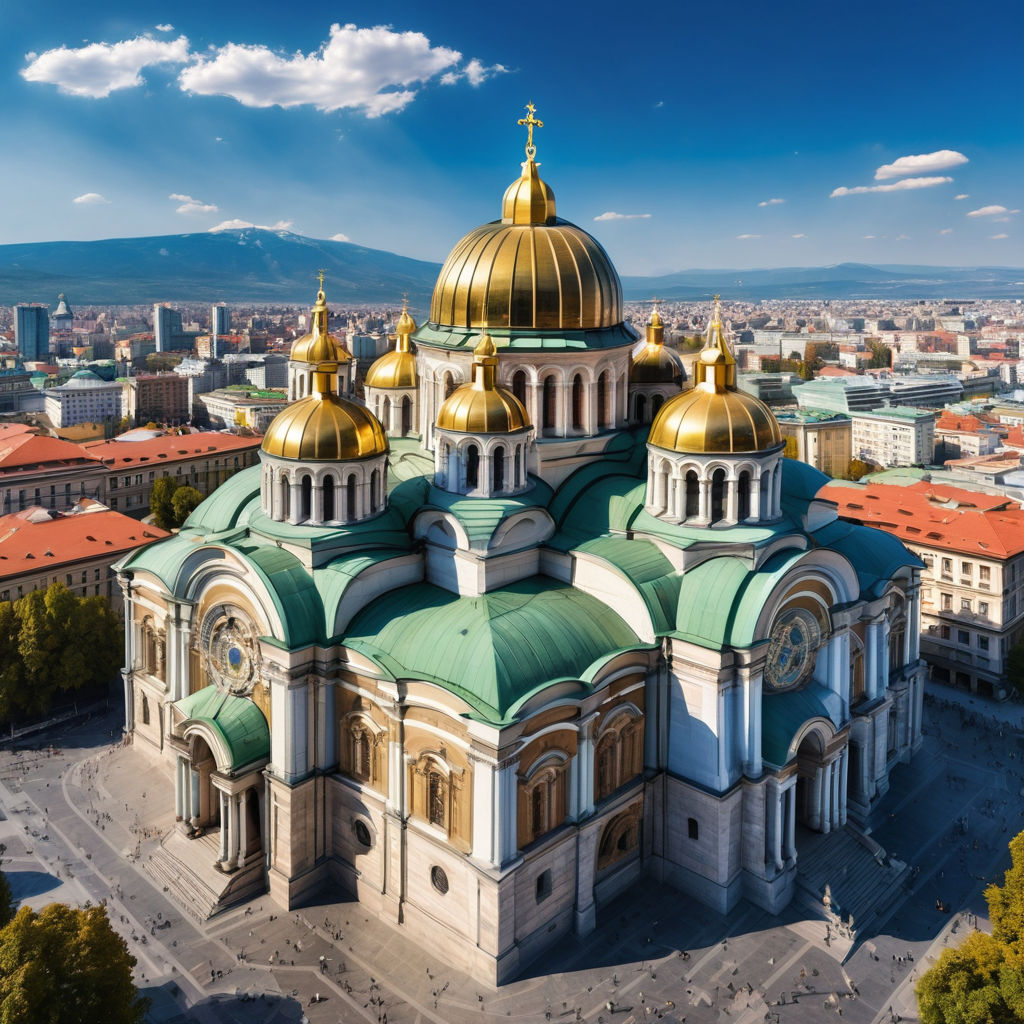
(185, 869)
(860, 876)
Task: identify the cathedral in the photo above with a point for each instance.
(533, 620)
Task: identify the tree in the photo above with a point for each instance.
(12, 681)
(184, 502)
(37, 647)
(804, 371)
(66, 965)
(791, 449)
(982, 980)
(161, 502)
(858, 468)
(881, 354)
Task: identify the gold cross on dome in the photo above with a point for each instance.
(320, 277)
(531, 122)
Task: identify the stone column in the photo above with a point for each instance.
(223, 826)
(533, 400)
(232, 858)
(507, 840)
(295, 503)
(194, 796)
(732, 500)
(316, 512)
(791, 824)
(704, 500)
(843, 782)
(243, 828)
(179, 791)
(777, 798)
(486, 834)
(816, 799)
(585, 759)
(826, 798)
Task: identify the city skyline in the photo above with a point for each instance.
(684, 139)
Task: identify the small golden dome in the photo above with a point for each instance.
(529, 270)
(325, 428)
(481, 407)
(713, 416)
(319, 346)
(397, 368)
(655, 364)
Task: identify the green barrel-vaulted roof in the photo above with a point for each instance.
(782, 714)
(493, 650)
(875, 555)
(238, 723)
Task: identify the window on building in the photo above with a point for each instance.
(983, 608)
(947, 567)
(966, 568)
(965, 604)
(436, 798)
(692, 829)
(947, 602)
(963, 636)
(543, 885)
(983, 643)
(944, 632)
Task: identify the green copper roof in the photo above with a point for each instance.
(874, 554)
(720, 599)
(782, 714)
(236, 721)
(480, 517)
(435, 336)
(495, 650)
(334, 579)
(163, 559)
(238, 491)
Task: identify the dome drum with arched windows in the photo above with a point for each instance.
(655, 374)
(714, 451)
(391, 384)
(482, 433)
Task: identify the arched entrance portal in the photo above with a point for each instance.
(822, 769)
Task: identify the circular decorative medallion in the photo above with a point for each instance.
(792, 649)
(231, 655)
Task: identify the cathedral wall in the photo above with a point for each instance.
(360, 869)
(696, 720)
(708, 866)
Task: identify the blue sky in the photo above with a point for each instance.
(735, 134)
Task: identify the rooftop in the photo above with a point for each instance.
(168, 448)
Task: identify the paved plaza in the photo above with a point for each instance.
(82, 813)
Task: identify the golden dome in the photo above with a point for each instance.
(529, 270)
(481, 407)
(397, 368)
(325, 428)
(713, 416)
(655, 364)
(319, 346)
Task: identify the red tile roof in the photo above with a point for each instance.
(33, 542)
(935, 515)
(169, 448)
(24, 451)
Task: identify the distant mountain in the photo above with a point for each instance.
(245, 265)
(842, 281)
(259, 265)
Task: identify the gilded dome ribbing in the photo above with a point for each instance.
(529, 270)
(397, 368)
(325, 428)
(481, 407)
(713, 416)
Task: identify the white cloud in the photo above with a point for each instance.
(339, 237)
(281, 225)
(98, 69)
(91, 199)
(164, 28)
(921, 164)
(190, 205)
(963, 195)
(946, 231)
(771, 202)
(368, 69)
(800, 236)
(1001, 235)
(904, 185)
(990, 211)
(868, 237)
(612, 215)
(659, 104)
(748, 236)
(902, 238)
(477, 73)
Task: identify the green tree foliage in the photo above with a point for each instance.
(12, 680)
(881, 354)
(6, 900)
(858, 468)
(184, 503)
(161, 499)
(982, 980)
(66, 966)
(804, 371)
(791, 449)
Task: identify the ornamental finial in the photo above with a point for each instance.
(531, 122)
(320, 278)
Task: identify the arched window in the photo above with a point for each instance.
(641, 408)
(656, 404)
(449, 384)
(350, 497)
(692, 494)
(406, 416)
(374, 490)
(145, 710)
(361, 753)
(577, 402)
(386, 417)
(307, 496)
(328, 488)
(857, 687)
(605, 776)
(550, 398)
(603, 403)
(472, 467)
(518, 469)
(286, 497)
(538, 811)
(498, 470)
(519, 385)
(543, 805)
(896, 640)
(743, 494)
(437, 790)
(718, 495)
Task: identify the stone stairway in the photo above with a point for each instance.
(862, 879)
(184, 868)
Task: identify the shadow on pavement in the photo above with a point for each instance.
(26, 884)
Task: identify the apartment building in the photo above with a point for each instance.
(156, 398)
(972, 584)
(823, 439)
(894, 437)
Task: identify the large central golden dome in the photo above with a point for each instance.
(529, 270)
